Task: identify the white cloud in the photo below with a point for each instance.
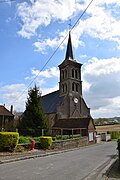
(49, 90)
(13, 95)
(42, 45)
(101, 86)
(48, 73)
(41, 13)
(60, 41)
(16, 94)
(102, 22)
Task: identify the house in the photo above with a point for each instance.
(66, 108)
(6, 118)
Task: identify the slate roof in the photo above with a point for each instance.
(72, 123)
(50, 102)
(4, 111)
(69, 51)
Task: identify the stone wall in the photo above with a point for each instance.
(70, 143)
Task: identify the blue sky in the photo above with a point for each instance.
(30, 31)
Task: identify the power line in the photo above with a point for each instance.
(54, 51)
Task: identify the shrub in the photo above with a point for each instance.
(8, 140)
(37, 139)
(115, 134)
(24, 139)
(45, 142)
(65, 137)
(19, 148)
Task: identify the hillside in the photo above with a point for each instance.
(107, 121)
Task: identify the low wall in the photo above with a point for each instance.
(70, 143)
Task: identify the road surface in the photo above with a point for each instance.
(72, 165)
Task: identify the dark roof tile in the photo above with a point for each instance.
(4, 111)
(72, 123)
(50, 102)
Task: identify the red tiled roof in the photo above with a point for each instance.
(5, 112)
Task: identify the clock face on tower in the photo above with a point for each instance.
(75, 100)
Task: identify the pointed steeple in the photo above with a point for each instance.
(69, 51)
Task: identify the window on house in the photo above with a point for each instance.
(65, 87)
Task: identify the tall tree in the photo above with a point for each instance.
(34, 116)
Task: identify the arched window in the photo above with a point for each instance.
(77, 87)
(65, 73)
(73, 73)
(76, 74)
(73, 86)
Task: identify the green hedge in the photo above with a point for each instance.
(45, 141)
(115, 134)
(24, 139)
(8, 140)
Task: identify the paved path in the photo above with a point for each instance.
(84, 163)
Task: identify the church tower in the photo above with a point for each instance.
(66, 109)
(70, 87)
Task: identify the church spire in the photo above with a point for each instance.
(69, 51)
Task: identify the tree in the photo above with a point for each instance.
(34, 116)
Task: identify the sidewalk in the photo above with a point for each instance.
(11, 157)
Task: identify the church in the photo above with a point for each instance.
(66, 109)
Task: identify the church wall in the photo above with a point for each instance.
(51, 119)
(85, 111)
(91, 126)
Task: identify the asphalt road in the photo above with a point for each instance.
(72, 165)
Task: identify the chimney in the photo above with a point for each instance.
(11, 109)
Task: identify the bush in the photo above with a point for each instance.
(24, 139)
(45, 142)
(115, 135)
(37, 139)
(8, 141)
(19, 148)
(65, 137)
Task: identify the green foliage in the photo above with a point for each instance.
(19, 148)
(62, 137)
(34, 116)
(107, 121)
(45, 142)
(24, 139)
(65, 137)
(37, 139)
(8, 140)
(115, 135)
